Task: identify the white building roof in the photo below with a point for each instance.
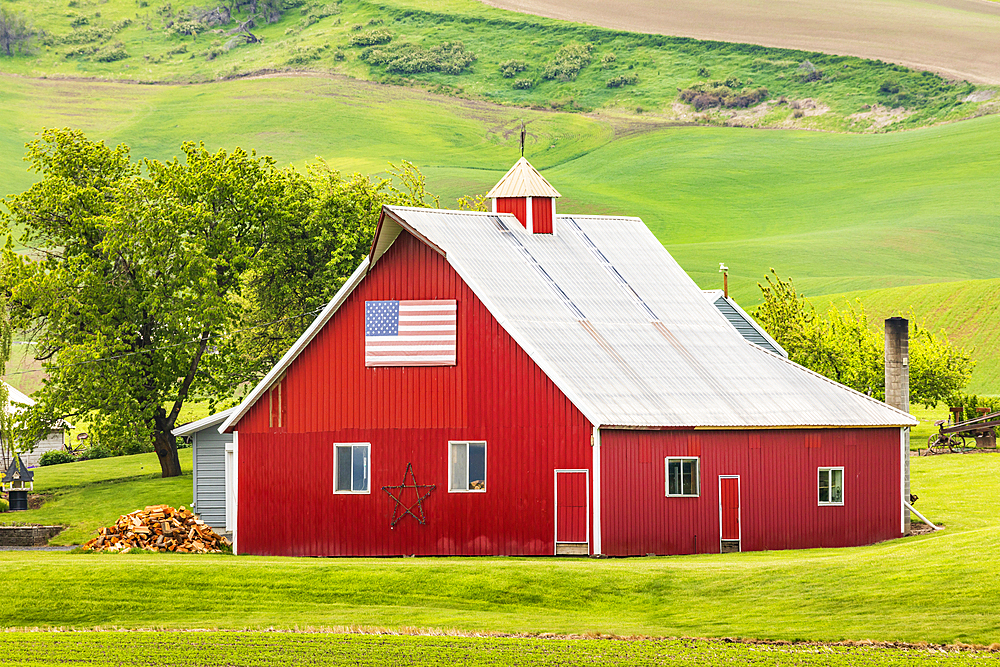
(522, 180)
(741, 321)
(618, 326)
(203, 423)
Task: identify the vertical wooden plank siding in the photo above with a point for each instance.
(779, 495)
(495, 394)
(541, 215)
(516, 205)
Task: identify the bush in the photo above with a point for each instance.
(307, 54)
(111, 53)
(511, 68)
(4, 506)
(722, 94)
(622, 80)
(55, 457)
(447, 58)
(523, 84)
(568, 62)
(608, 60)
(372, 38)
(96, 451)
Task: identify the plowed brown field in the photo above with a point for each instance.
(956, 38)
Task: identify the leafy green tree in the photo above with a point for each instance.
(15, 32)
(846, 347)
(131, 273)
(150, 283)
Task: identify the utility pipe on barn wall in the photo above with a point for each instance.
(595, 442)
(897, 394)
(909, 508)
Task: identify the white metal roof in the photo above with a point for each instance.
(203, 423)
(618, 326)
(522, 180)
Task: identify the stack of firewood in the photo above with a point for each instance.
(158, 528)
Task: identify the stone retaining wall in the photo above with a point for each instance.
(27, 536)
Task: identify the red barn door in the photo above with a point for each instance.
(572, 512)
(729, 513)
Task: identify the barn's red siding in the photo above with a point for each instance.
(541, 215)
(778, 489)
(495, 393)
(516, 205)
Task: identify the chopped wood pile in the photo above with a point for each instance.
(158, 528)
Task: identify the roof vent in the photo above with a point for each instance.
(525, 193)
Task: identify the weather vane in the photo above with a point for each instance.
(522, 138)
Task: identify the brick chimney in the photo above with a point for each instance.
(897, 392)
(525, 193)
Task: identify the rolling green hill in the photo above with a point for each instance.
(458, 49)
(969, 311)
(836, 212)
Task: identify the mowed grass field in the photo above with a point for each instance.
(154, 649)
(937, 588)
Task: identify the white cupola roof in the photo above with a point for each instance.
(522, 180)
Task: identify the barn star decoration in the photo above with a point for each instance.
(399, 492)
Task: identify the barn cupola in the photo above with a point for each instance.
(525, 193)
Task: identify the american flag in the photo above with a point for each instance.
(410, 333)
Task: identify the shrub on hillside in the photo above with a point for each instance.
(523, 84)
(55, 457)
(447, 58)
(97, 451)
(723, 94)
(92, 34)
(622, 80)
(511, 68)
(608, 60)
(372, 37)
(111, 53)
(808, 72)
(568, 62)
(306, 54)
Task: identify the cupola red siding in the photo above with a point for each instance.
(518, 206)
(541, 215)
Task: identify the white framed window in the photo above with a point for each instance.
(351, 467)
(467, 467)
(683, 476)
(831, 486)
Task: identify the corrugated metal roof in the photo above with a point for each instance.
(744, 323)
(605, 310)
(523, 180)
(618, 326)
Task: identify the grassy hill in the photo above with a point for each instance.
(414, 43)
(937, 588)
(836, 212)
(967, 310)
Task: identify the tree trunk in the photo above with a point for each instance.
(165, 445)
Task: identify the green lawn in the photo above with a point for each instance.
(87, 495)
(937, 588)
(246, 649)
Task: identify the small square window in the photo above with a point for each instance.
(467, 466)
(682, 476)
(831, 486)
(351, 467)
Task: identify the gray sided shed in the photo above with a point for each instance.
(209, 448)
(744, 324)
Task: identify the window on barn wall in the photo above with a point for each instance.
(682, 476)
(467, 466)
(831, 486)
(351, 467)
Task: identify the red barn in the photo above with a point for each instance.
(525, 383)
